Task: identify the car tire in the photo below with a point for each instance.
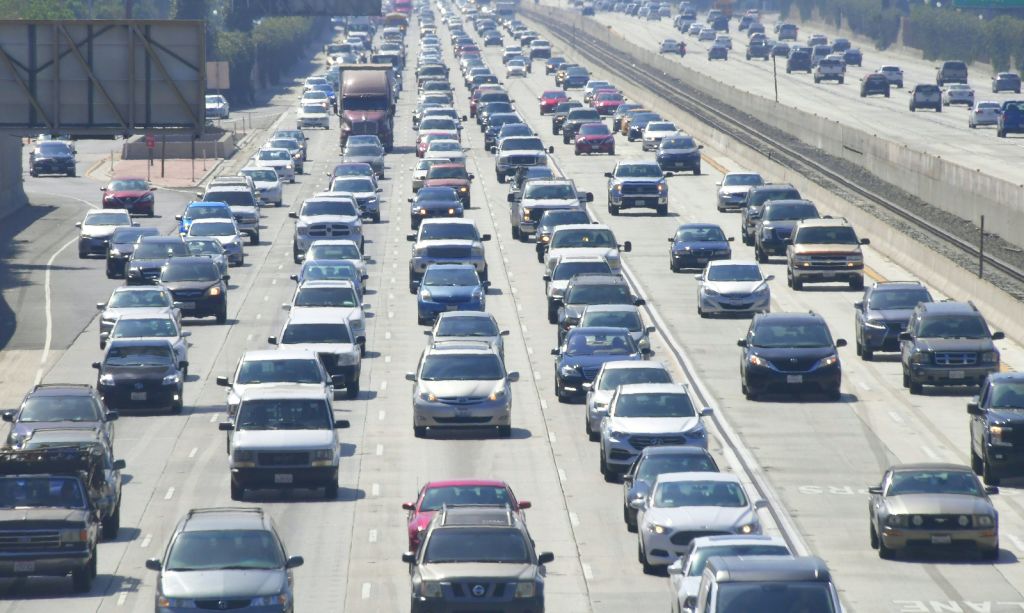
(989, 476)
(915, 388)
(760, 254)
(613, 210)
(977, 466)
(841, 80)
(515, 231)
(748, 393)
(906, 378)
(112, 524)
(222, 315)
(873, 537)
(747, 239)
(237, 491)
(331, 490)
(608, 475)
(178, 405)
(419, 431)
(886, 94)
(648, 568)
(884, 552)
(254, 239)
(81, 578)
(662, 209)
(696, 171)
(504, 431)
(990, 555)
(500, 176)
(291, 179)
(352, 391)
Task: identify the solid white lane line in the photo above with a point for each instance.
(213, 418)
(170, 493)
(48, 338)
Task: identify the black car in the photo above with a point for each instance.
(696, 244)
(679, 152)
(758, 48)
(947, 344)
(997, 427)
(141, 374)
(853, 57)
(718, 52)
(431, 202)
(882, 315)
(494, 125)
(553, 219)
(753, 205)
(490, 109)
(197, 284)
(559, 114)
(121, 246)
(576, 118)
(553, 64)
(874, 83)
(150, 255)
(637, 124)
(798, 61)
(52, 157)
(789, 352)
(587, 289)
(776, 223)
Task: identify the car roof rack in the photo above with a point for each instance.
(206, 510)
(49, 385)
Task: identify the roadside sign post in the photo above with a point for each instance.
(150, 144)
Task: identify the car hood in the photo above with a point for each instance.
(733, 190)
(266, 184)
(134, 373)
(686, 246)
(955, 344)
(322, 347)
(801, 353)
(445, 182)
(700, 518)
(312, 219)
(891, 315)
(303, 113)
(460, 389)
(280, 439)
(130, 193)
(550, 203)
(734, 287)
(451, 291)
(421, 520)
(801, 249)
(653, 425)
(652, 134)
(185, 285)
(40, 517)
(943, 504)
(222, 584)
(99, 231)
(476, 570)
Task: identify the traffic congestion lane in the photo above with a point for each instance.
(833, 439)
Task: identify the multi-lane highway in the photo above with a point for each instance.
(815, 458)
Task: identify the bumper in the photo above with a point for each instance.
(935, 375)
(587, 147)
(594, 416)
(731, 202)
(684, 259)
(284, 477)
(877, 339)
(760, 379)
(755, 303)
(428, 309)
(248, 609)
(43, 563)
(441, 605)
(271, 195)
(419, 265)
(248, 228)
(482, 414)
(637, 202)
(203, 307)
(572, 385)
(125, 397)
(680, 163)
(137, 207)
(812, 275)
(92, 245)
(51, 167)
(901, 538)
(620, 455)
(1004, 460)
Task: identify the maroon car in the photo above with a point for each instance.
(550, 99)
(607, 103)
(461, 492)
(453, 176)
(594, 138)
(135, 195)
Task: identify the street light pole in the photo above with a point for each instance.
(775, 77)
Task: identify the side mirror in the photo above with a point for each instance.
(608, 174)
(991, 489)
(341, 424)
(226, 277)
(525, 504)
(545, 557)
(858, 305)
(554, 351)
(905, 336)
(293, 214)
(741, 343)
(338, 380)
(177, 217)
(637, 503)
(669, 174)
(865, 241)
(411, 237)
(551, 149)
(875, 490)
(409, 557)
(511, 198)
(294, 562)
(676, 568)
(223, 381)
(639, 302)
(646, 351)
(512, 377)
(494, 149)
(998, 336)
(294, 278)
(409, 506)
(410, 376)
(225, 426)
(119, 465)
(840, 342)
(286, 306)
(690, 604)
(761, 504)
(78, 224)
(272, 340)
(183, 365)
(627, 246)
(153, 564)
(186, 333)
(671, 239)
(96, 365)
(485, 238)
(100, 306)
(707, 412)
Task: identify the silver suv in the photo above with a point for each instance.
(326, 332)
(244, 206)
(266, 368)
(477, 557)
(462, 384)
(518, 151)
(446, 241)
(283, 437)
(538, 197)
(325, 215)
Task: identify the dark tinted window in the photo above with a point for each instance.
(599, 294)
(789, 212)
(953, 326)
(327, 297)
(59, 408)
(42, 491)
(462, 367)
(296, 334)
(487, 495)
(654, 404)
(613, 343)
(160, 249)
(898, 298)
(283, 414)
(476, 545)
(215, 549)
(466, 326)
(769, 334)
(662, 463)
(133, 355)
(190, 271)
(775, 597)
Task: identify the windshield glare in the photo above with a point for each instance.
(654, 404)
(581, 343)
(467, 545)
(198, 211)
(129, 185)
(139, 356)
(327, 297)
(775, 597)
(466, 326)
(549, 192)
(204, 247)
(296, 334)
(254, 372)
(674, 494)
(467, 367)
(280, 154)
(771, 335)
(660, 464)
(139, 299)
(198, 550)
(138, 328)
(934, 482)
(264, 175)
(455, 495)
(735, 272)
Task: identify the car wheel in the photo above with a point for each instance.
(291, 179)
(748, 393)
(613, 210)
(884, 552)
(662, 209)
(988, 475)
(762, 257)
(515, 232)
(419, 431)
(915, 388)
(976, 464)
(990, 555)
(254, 239)
(797, 284)
(747, 239)
(222, 315)
(606, 472)
(648, 568)
(179, 404)
(866, 354)
(857, 284)
(906, 378)
(500, 176)
(237, 491)
(112, 524)
(873, 537)
(504, 431)
(81, 578)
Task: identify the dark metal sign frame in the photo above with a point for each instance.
(102, 77)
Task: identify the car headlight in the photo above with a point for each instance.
(115, 252)
(751, 528)
(425, 294)
(289, 166)
(658, 528)
(545, 238)
(710, 292)
(757, 360)
(698, 432)
(74, 536)
(106, 379)
(323, 457)
(526, 589)
(875, 324)
(243, 459)
(897, 521)
(827, 361)
(175, 603)
(920, 357)
(617, 188)
(990, 357)
(428, 396)
(465, 189)
(214, 291)
(662, 187)
(172, 379)
(999, 434)
(477, 251)
(984, 521)
(358, 324)
(430, 589)
(569, 369)
(498, 394)
(281, 599)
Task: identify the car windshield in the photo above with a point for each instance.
(552, 219)
(476, 545)
(362, 151)
(285, 143)
(42, 491)
(253, 372)
(934, 482)
(128, 355)
(742, 179)
(654, 404)
(327, 297)
(190, 271)
(352, 184)
(661, 126)
(198, 246)
(343, 251)
(583, 238)
(59, 408)
(444, 145)
(107, 219)
(663, 463)
(904, 299)
(583, 115)
(135, 328)
(606, 97)
(450, 277)
(440, 231)
(466, 326)
(629, 320)
(843, 235)
(454, 495)
(212, 228)
(586, 343)
(206, 550)
(775, 597)
(700, 234)
(790, 212)
(638, 170)
(297, 334)
(438, 123)
(54, 148)
(464, 367)
(735, 272)
(791, 334)
(124, 236)
(953, 326)
(522, 144)
(594, 129)
(139, 299)
(626, 376)
(313, 270)
(283, 414)
(128, 185)
(698, 559)
(342, 208)
(675, 494)
(447, 172)
(275, 154)
(199, 211)
(567, 270)
(549, 191)
(1006, 395)
(759, 197)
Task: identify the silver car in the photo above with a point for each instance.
(209, 248)
(733, 287)
(225, 231)
(462, 384)
(366, 153)
(278, 159)
(958, 93)
(732, 191)
(263, 368)
(611, 376)
(469, 326)
(268, 184)
(152, 300)
(983, 113)
(618, 316)
(147, 325)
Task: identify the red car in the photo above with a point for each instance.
(453, 176)
(550, 99)
(460, 492)
(135, 195)
(594, 138)
(607, 103)
(424, 138)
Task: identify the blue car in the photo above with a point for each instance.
(202, 210)
(331, 270)
(432, 202)
(584, 351)
(696, 244)
(449, 287)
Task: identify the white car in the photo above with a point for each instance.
(278, 159)
(685, 573)
(96, 229)
(894, 74)
(337, 249)
(420, 170)
(217, 106)
(315, 97)
(268, 185)
(146, 325)
(732, 191)
(152, 300)
(609, 377)
(365, 192)
(312, 115)
(682, 504)
(958, 93)
(265, 368)
(983, 113)
(445, 149)
(341, 296)
(723, 40)
(584, 239)
(327, 333)
(655, 132)
(312, 82)
(646, 414)
(733, 287)
(515, 68)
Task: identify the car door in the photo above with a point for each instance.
(876, 504)
(860, 315)
(978, 422)
(907, 347)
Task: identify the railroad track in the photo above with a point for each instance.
(739, 126)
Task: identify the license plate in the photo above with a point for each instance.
(956, 374)
(24, 567)
(188, 305)
(283, 478)
(638, 202)
(794, 378)
(138, 395)
(452, 307)
(828, 275)
(942, 539)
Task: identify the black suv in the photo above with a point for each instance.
(757, 196)
(121, 245)
(997, 427)
(874, 83)
(141, 373)
(775, 225)
(798, 60)
(576, 118)
(561, 111)
(225, 558)
(149, 257)
(882, 314)
(477, 558)
(587, 289)
(60, 405)
(198, 285)
(947, 343)
(787, 352)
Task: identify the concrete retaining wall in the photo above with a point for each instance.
(965, 192)
(180, 146)
(12, 185)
